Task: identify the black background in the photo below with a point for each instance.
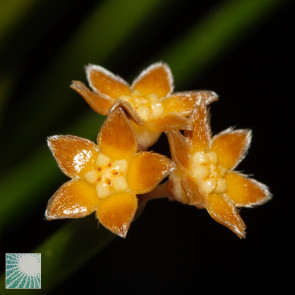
(174, 248)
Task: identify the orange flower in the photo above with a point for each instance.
(149, 100)
(105, 177)
(204, 176)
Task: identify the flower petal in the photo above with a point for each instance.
(117, 139)
(231, 146)
(192, 191)
(99, 103)
(117, 211)
(168, 122)
(223, 211)
(174, 188)
(74, 199)
(126, 106)
(146, 171)
(180, 148)
(74, 155)
(156, 79)
(184, 102)
(146, 137)
(200, 135)
(106, 83)
(245, 191)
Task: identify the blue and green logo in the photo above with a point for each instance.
(23, 271)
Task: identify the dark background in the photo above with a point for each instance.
(172, 248)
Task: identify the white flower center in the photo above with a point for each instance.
(108, 176)
(147, 107)
(209, 175)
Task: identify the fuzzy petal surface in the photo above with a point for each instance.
(180, 148)
(98, 103)
(156, 79)
(146, 171)
(184, 102)
(117, 211)
(168, 122)
(192, 191)
(200, 135)
(231, 147)
(106, 83)
(223, 211)
(117, 139)
(245, 191)
(74, 155)
(74, 199)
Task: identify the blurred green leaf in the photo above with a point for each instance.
(99, 36)
(32, 176)
(210, 38)
(11, 11)
(64, 252)
(189, 55)
(19, 197)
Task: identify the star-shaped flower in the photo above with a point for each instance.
(149, 100)
(105, 177)
(204, 176)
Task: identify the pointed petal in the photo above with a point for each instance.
(223, 211)
(75, 199)
(200, 135)
(117, 211)
(180, 149)
(106, 83)
(184, 102)
(192, 191)
(156, 79)
(245, 191)
(99, 103)
(231, 146)
(126, 106)
(117, 139)
(146, 171)
(74, 155)
(168, 122)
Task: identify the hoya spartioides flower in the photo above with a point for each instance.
(149, 101)
(105, 177)
(204, 176)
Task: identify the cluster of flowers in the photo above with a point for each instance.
(117, 175)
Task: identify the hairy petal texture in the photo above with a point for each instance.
(191, 189)
(75, 199)
(99, 103)
(74, 155)
(106, 83)
(126, 106)
(180, 148)
(231, 147)
(184, 102)
(117, 211)
(156, 79)
(168, 122)
(200, 135)
(146, 171)
(117, 139)
(223, 211)
(244, 191)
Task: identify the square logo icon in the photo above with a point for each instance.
(23, 271)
